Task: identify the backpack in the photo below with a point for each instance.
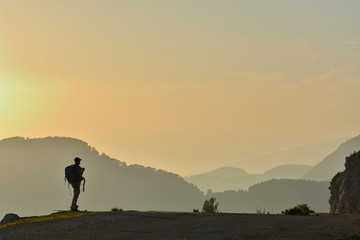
(68, 174)
(69, 177)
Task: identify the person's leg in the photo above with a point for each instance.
(76, 187)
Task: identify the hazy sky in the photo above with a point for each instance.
(185, 85)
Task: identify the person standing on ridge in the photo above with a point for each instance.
(76, 178)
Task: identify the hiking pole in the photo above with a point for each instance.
(84, 185)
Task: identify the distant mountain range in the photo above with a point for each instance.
(310, 154)
(32, 181)
(334, 162)
(231, 178)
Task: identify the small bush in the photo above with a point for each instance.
(116, 209)
(260, 211)
(210, 206)
(301, 209)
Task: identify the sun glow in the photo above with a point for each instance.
(9, 104)
(25, 103)
(7, 92)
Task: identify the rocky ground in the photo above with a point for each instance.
(168, 225)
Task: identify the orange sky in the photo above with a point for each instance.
(184, 86)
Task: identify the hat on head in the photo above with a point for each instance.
(77, 159)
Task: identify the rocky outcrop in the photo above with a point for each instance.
(345, 187)
(9, 218)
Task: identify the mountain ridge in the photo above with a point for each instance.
(309, 154)
(222, 182)
(39, 163)
(333, 162)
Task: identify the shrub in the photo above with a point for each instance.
(116, 209)
(260, 211)
(301, 209)
(210, 206)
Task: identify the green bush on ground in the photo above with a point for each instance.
(116, 209)
(301, 209)
(210, 206)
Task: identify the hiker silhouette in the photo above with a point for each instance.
(73, 174)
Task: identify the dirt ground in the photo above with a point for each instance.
(180, 226)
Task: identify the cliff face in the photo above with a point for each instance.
(345, 187)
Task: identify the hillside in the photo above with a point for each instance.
(231, 178)
(289, 171)
(227, 172)
(309, 154)
(275, 196)
(334, 162)
(32, 180)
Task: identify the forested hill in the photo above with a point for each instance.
(32, 180)
(275, 196)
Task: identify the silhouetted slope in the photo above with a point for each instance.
(289, 171)
(275, 196)
(32, 180)
(230, 178)
(308, 154)
(221, 179)
(227, 172)
(334, 162)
